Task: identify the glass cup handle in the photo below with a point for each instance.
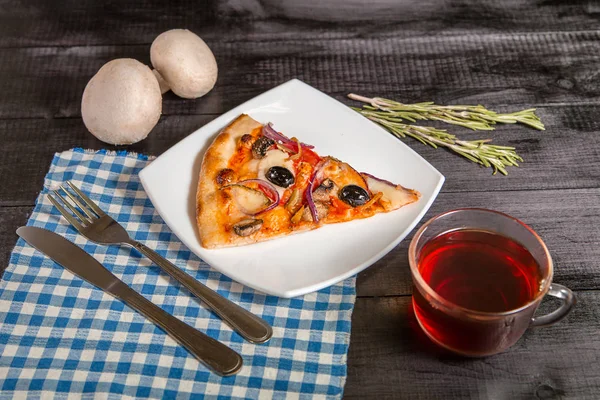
(568, 301)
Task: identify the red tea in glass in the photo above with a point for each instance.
(479, 277)
(480, 270)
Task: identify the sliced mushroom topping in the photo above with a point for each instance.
(322, 211)
(225, 176)
(326, 188)
(260, 146)
(247, 227)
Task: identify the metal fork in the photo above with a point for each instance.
(99, 227)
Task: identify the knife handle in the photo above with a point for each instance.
(250, 326)
(209, 351)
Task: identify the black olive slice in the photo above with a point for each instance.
(280, 176)
(353, 195)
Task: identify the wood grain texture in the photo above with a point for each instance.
(564, 156)
(28, 23)
(10, 219)
(508, 71)
(567, 221)
(390, 358)
(29, 146)
(506, 55)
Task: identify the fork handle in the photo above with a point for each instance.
(251, 327)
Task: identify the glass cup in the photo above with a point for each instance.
(477, 333)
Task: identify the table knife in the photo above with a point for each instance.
(215, 355)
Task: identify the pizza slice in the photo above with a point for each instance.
(256, 184)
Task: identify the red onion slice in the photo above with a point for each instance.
(270, 192)
(379, 179)
(278, 137)
(309, 191)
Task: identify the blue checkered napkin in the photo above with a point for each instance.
(61, 337)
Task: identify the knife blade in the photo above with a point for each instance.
(212, 353)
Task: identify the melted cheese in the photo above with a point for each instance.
(275, 158)
(342, 174)
(393, 197)
(248, 170)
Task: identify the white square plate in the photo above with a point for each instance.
(309, 261)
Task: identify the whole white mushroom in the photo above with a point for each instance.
(184, 62)
(122, 102)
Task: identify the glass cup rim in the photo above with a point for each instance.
(454, 308)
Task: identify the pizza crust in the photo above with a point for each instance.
(208, 215)
(211, 218)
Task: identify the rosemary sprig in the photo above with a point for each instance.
(477, 118)
(478, 151)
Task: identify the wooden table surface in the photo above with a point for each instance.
(506, 55)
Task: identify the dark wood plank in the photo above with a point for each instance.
(506, 55)
(10, 219)
(390, 358)
(501, 70)
(67, 23)
(29, 146)
(564, 156)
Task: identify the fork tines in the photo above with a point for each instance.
(74, 203)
